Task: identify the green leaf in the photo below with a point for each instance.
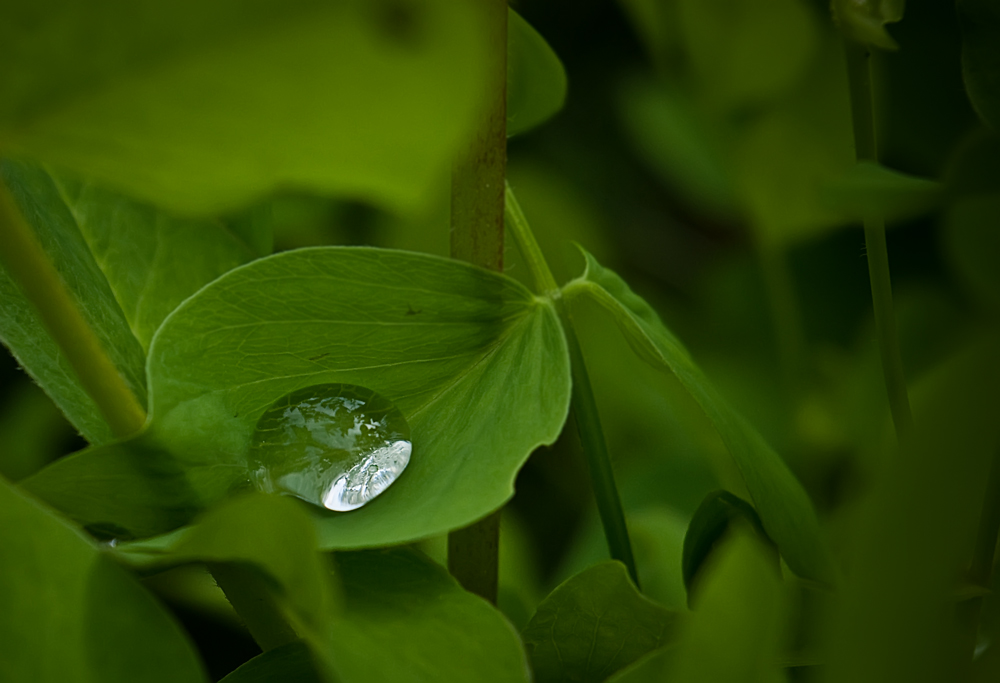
(71, 614)
(735, 632)
(672, 136)
(151, 260)
(536, 80)
(979, 21)
(785, 157)
(783, 505)
(291, 663)
(406, 619)
(864, 21)
(870, 189)
(593, 625)
(913, 532)
(747, 52)
(20, 324)
(972, 241)
(711, 522)
(203, 107)
(477, 365)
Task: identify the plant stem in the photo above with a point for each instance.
(252, 600)
(477, 212)
(29, 266)
(595, 451)
(866, 149)
(584, 406)
(983, 555)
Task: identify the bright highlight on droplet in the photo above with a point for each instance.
(334, 445)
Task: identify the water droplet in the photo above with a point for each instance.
(335, 445)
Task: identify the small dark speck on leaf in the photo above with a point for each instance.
(410, 311)
(322, 355)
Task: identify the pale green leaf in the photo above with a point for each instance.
(593, 625)
(202, 107)
(71, 615)
(21, 327)
(784, 506)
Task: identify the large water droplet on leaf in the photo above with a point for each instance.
(335, 445)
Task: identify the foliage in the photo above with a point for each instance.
(206, 207)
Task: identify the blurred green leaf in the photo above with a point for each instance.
(678, 142)
(974, 167)
(735, 632)
(787, 155)
(980, 24)
(870, 189)
(864, 21)
(536, 80)
(972, 240)
(912, 536)
(476, 364)
(20, 325)
(743, 53)
(71, 614)
(782, 503)
(151, 260)
(656, 23)
(711, 522)
(651, 668)
(592, 625)
(202, 107)
(291, 663)
(406, 619)
(254, 226)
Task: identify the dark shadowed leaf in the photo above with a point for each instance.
(711, 523)
(972, 239)
(291, 663)
(593, 625)
(779, 498)
(864, 21)
(536, 80)
(20, 325)
(201, 107)
(980, 24)
(71, 614)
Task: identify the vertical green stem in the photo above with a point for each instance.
(477, 213)
(29, 266)
(252, 600)
(785, 311)
(583, 406)
(866, 149)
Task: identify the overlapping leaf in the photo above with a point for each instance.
(70, 614)
(593, 625)
(536, 80)
(21, 327)
(201, 107)
(784, 506)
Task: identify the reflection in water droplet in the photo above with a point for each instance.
(335, 445)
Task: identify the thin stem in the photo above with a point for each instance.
(866, 149)
(583, 406)
(252, 600)
(545, 283)
(477, 211)
(29, 266)
(595, 451)
(785, 311)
